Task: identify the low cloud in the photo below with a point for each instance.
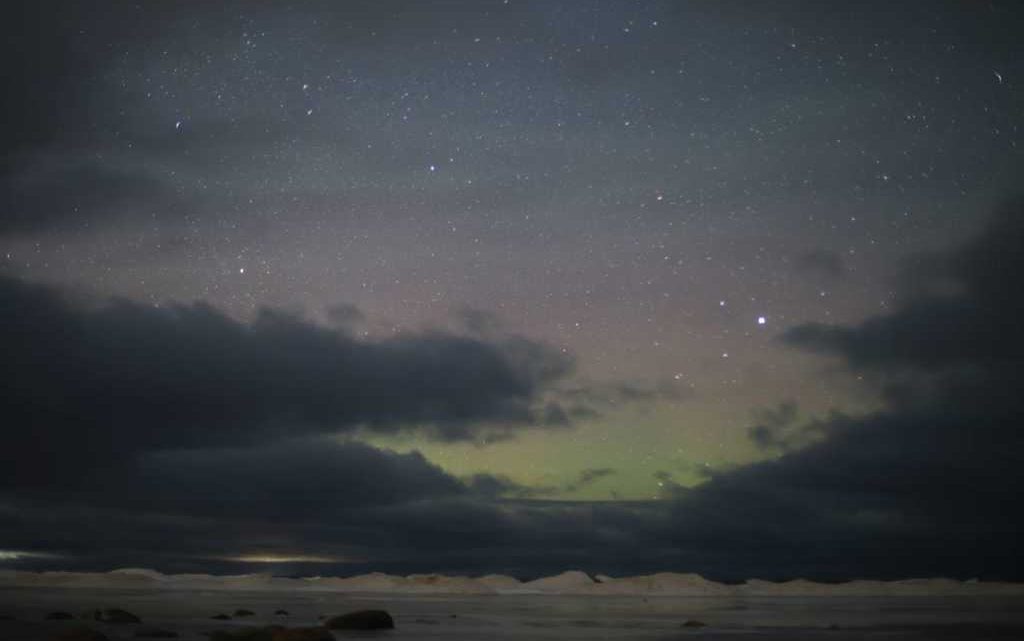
(918, 488)
(88, 384)
(921, 487)
(780, 429)
(497, 486)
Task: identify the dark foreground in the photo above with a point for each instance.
(188, 614)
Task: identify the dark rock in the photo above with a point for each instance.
(6, 617)
(155, 633)
(117, 615)
(242, 612)
(362, 620)
(59, 616)
(81, 634)
(221, 617)
(281, 613)
(693, 623)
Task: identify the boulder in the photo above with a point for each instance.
(242, 612)
(693, 623)
(221, 617)
(281, 613)
(362, 620)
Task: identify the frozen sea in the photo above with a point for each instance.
(521, 617)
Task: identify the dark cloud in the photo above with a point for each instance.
(345, 315)
(496, 486)
(94, 383)
(667, 483)
(226, 502)
(478, 321)
(572, 145)
(781, 429)
(591, 398)
(919, 487)
(771, 423)
(34, 31)
(295, 481)
(179, 423)
(347, 501)
(590, 476)
(76, 193)
(966, 315)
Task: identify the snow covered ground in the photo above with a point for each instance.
(567, 583)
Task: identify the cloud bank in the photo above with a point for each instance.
(181, 425)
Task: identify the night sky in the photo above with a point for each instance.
(502, 285)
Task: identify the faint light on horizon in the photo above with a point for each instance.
(14, 555)
(283, 558)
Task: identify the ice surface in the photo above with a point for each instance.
(530, 616)
(644, 608)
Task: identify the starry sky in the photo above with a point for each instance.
(514, 286)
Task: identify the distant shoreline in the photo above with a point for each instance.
(571, 583)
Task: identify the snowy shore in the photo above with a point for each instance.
(568, 583)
